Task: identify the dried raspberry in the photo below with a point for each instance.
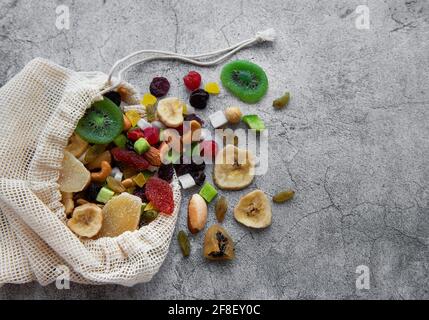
(192, 80)
(130, 158)
(166, 172)
(160, 193)
(159, 86)
(151, 134)
(135, 134)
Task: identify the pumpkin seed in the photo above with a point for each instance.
(185, 246)
(221, 208)
(148, 216)
(283, 196)
(281, 102)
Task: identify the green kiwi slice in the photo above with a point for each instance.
(102, 122)
(245, 80)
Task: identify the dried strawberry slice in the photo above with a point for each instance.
(160, 193)
(130, 158)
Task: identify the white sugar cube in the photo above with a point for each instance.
(143, 124)
(158, 124)
(218, 119)
(186, 181)
(118, 176)
(115, 170)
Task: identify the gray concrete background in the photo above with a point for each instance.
(353, 143)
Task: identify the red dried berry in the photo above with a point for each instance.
(151, 134)
(208, 149)
(135, 134)
(192, 80)
(159, 86)
(160, 193)
(130, 158)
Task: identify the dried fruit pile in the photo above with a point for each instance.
(118, 166)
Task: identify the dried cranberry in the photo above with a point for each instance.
(193, 116)
(159, 86)
(135, 134)
(166, 172)
(199, 98)
(192, 80)
(151, 134)
(130, 158)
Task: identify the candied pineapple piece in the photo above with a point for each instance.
(120, 214)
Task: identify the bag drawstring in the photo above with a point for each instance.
(198, 60)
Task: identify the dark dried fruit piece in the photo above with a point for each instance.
(160, 193)
(199, 177)
(114, 96)
(140, 192)
(221, 208)
(283, 196)
(185, 246)
(193, 116)
(159, 86)
(198, 98)
(166, 172)
(218, 244)
(92, 191)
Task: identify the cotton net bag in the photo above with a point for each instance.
(40, 108)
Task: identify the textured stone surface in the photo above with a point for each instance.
(353, 142)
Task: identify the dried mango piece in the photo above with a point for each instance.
(148, 100)
(133, 116)
(212, 88)
(120, 214)
(139, 179)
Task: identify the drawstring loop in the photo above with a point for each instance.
(268, 35)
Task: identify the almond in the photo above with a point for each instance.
(153, 156)
(197, 213)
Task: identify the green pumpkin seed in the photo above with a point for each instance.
(221, 208)
(281, 102)
(185, 246)
(283, 196)
(148, 216)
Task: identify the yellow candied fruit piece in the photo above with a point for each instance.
(212, 88)
(133, 116)
(150, 206)
(148, 100)
(139, 179)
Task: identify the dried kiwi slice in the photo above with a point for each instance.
(245, 80)
(102, 122)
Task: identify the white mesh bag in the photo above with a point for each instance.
(40, 108)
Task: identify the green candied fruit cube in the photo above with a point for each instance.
(104, 195)
(254, 122)
(208, 192)
(120, 141)
(141, 146)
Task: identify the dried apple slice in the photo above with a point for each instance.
(74, 177)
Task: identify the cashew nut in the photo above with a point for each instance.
(128, 183)
(96, 163)
(127, 123)
(102, 175)
(67, 200)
